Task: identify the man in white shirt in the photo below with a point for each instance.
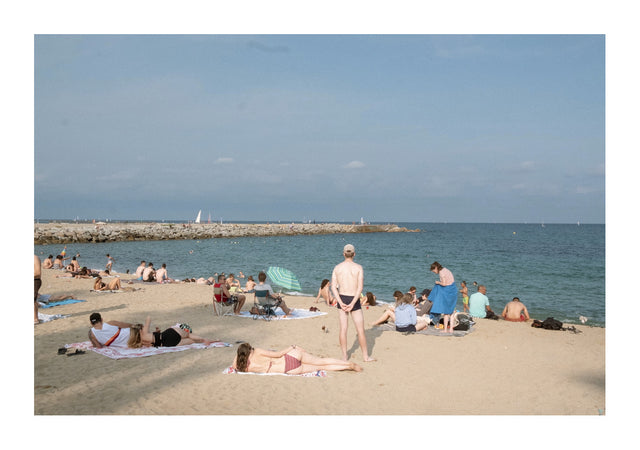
(105, 334)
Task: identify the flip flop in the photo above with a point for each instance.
(77, 352)
(62, 351)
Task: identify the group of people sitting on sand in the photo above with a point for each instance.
(293, 360)
(146, 272)
(412, 313)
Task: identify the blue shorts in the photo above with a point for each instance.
(348, 299)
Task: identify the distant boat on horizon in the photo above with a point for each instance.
(198, 218)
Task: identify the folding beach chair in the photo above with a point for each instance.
(222, 305)
(264, 305)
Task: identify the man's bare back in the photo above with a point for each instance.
(514, 310)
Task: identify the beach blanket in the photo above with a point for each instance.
(317, 373)
(295, 314)
(49, 317)
(117, 291)
(122, 353)
(431, 331)
(61, 302)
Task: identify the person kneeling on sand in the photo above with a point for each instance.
(515, 311)
(179, 334)
(292, 360)
(105, 334)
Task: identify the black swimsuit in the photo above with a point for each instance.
(168, 338)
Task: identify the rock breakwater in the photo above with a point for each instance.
(63, 233)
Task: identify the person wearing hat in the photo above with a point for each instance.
(347, 281)
(105, 334)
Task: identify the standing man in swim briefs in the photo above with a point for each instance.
(37, 282)
(347, 281)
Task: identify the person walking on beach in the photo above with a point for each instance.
(515, 311)
(37, 282)
(465, 295)
(110, 262)
(347, 281)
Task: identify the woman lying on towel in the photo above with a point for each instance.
(113, 285)
(292, 360)
(179, 334)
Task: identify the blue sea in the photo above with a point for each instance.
(557, 270)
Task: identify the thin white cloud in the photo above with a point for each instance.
(354, 165)
(224, 160)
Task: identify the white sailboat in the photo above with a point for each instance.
(361, 220)
(198, 218)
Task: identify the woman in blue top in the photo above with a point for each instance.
(406, 318)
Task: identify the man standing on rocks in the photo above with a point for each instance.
(347, 282)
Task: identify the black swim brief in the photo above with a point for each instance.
(405, 329)
(348, 299)
(170, 338)
(37, 283)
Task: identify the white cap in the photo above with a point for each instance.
(349, 249)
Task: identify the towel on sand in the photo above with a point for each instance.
(296, 314)
(121, 353)
(317, 373)
(61, 302)
(50, 317)
(431, 331)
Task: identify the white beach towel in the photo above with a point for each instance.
(317, 373)
(122, 353)
(431, 331)
(49, 317)
(295, 314)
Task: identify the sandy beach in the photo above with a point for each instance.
(501, 368)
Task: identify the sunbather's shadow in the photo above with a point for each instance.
(371, 335)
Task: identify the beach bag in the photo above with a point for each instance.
(463, 322)
(551, 324)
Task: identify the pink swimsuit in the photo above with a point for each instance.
(290, 363)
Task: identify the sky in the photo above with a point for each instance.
(390, 128)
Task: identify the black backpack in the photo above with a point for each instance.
(548, 324)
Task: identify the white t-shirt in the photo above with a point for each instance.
(109, 330)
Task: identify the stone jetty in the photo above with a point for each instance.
(64, 233)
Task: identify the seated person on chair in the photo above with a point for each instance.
(262, 286)
(221, 294)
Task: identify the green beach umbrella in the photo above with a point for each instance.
(283, 277)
